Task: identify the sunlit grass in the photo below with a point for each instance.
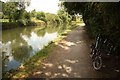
(36, 20)
(4, 20)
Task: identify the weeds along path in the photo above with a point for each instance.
(71, 59)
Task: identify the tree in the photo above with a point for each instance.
(14, 10)
(52, 18)
(21, 4)
(33, 13)
(41, 16)
(100, 18)
(9, 9)
(24, 17)
(64, 16)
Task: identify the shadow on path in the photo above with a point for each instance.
(71, 59)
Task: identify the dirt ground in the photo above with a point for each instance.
(71, 59)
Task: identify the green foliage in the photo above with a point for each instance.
(9, 9)
(64, 16)
(21, 16)
(48, 18)
(33, 13)
(41, 16)
(100, 18)
(74, 7)
(15, 12)
(52, 18)
(22, 4)
(1, 15)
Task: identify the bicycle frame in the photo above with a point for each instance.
(101, 45)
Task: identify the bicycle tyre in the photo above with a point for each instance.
(97, 63)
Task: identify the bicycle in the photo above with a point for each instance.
(95, 54)
(101, 46)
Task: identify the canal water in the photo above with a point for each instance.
(21, 43)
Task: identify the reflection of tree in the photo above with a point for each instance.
(51, 28)
(41, 32)
(9, 35)
(26, 31)
(17, 42)
(21, 53)
(4, 61)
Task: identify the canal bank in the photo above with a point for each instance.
(12, 25)
(40, 55)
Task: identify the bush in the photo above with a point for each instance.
(100, 18)
(41, 16)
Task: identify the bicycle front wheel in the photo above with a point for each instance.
(97, 63)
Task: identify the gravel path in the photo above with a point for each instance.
(71, 59)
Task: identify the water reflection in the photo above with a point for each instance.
(24, 42)
(21, 53)
(36, 42)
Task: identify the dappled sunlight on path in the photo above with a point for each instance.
(70, 58)
(71, 61)
(66, 44)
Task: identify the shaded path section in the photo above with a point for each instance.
(71, 59)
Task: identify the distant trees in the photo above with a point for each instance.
(33, 13)
(52, 18)
(61, 17)
(41, 16)
(15, 11)
(9, 9)
(24, 17)
(64, 16)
